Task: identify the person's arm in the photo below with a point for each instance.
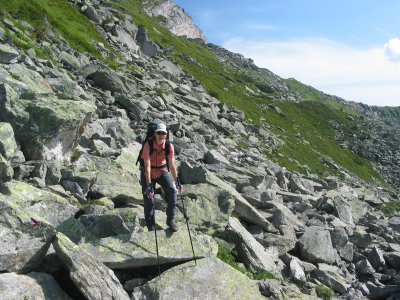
(172, 168)
(147, 163)
(147, 171)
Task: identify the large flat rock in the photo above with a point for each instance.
(139, 250)
(47, 205)
(209, 279)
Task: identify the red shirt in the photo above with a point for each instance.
(158, 158)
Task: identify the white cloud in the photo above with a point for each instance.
(258, 26)
(363, 75)
(392, 49)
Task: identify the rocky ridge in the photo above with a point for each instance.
(176, 19)
(71, 204)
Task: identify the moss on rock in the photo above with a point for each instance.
(139, 250)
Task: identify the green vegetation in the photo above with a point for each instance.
(225, 254)
(390, 209)
(263, 275)
(265, 88)
(160, 91)
(324, 292)
(69, 22)
(135, 71)
(309, 138)
(309, 93)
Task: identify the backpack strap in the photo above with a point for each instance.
(167, 151)
(151, 145)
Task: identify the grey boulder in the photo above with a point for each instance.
(24, 239)
(330, 276)
(90, 276)
(254, 255)
(38, 286)
(8, 54)
(316, 245)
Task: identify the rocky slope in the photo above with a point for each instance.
(71, 204)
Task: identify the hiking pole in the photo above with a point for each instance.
(187, 225)
(155, 235)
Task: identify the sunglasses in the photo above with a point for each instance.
(161, 133)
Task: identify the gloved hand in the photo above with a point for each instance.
(150, 192)
(179, 186)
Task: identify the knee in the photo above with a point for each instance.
(171, 191)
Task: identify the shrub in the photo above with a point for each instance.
(263, 275)
(263, 87)
(390, 209)
(160, 91)
(324, 292)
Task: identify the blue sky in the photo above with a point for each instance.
(347, 48)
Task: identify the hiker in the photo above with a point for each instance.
(156, 163)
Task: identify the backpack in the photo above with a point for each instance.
(151, 128)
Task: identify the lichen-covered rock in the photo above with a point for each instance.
(281, 215)
(296, 271)
(208, 207)
(6, 171)
(24, 239)
(330, 276)
(101, 177)
(8, 145)
(281, 290)
(343, 211)
(243, 209)
(210, 278)
(361, 238)
(215, 157)
(254, 255)
(45, 126)
(8, 54)
(90, 276)
(108, 80)
(139, 250)
(38, 286)
(104, 225)
(74, 230)
(27, 82)
(132, 217)
(127, 158)
(47, 205)
(316, 245)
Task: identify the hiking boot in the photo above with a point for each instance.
(172, 225)
(151, 228)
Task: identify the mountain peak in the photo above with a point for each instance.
(176, 19)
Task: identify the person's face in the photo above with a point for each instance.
(160, 137)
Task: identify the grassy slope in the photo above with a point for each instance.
(310, 119)
(74, 27)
